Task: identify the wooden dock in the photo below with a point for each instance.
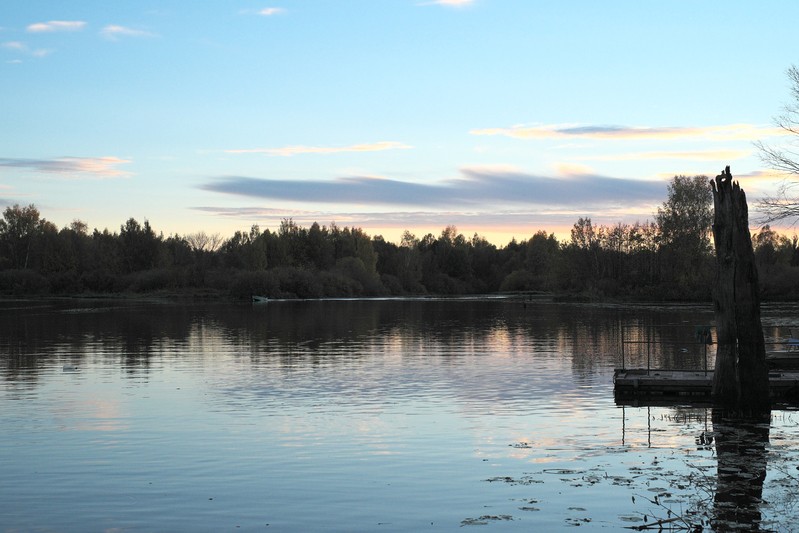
(689, 385)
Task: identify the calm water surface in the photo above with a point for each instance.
(393, 415)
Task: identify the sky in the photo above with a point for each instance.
(500, 117)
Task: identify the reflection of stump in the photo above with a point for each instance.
(741, 453)
(740, 381)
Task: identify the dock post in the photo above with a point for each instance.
(623, 425)
(621, 336)
(648, 349)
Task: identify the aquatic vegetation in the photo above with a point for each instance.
(733, 476)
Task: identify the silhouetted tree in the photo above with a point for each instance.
(409, 268)
(630, 261)
(74, 243)
(582, 255)
(246, 251)
(642, 245)
(765, 243)
(292, 244)
(541, 253)
(686, 216)
(140, 247)
(684, 232)
(48, 256)
(319, 248)
(485, 269)
(18, 231)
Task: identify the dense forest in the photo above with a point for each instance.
(670, 258)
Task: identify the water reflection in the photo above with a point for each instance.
(741, 446)
(722, 480)
(415, 403)
(134, 331)
(35, 334)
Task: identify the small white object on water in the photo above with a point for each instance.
(70, 368)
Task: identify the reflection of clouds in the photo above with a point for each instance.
(92, 414)
(436, 377)
(500, 363)
(507, 374)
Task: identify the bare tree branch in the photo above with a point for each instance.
(785, 203)
(201, 241)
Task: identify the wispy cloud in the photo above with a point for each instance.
(521, 219)
(23, 48)
(570, 131)
(288, 151)
(449, 3)
(254, 211)
(15, 45)
(705, 155)
(56, 25)
(96, 167)
(269, 11)
(114, 32)
(763, 175)
(264, 12)
(475, 186)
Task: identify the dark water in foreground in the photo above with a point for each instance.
(368, 416)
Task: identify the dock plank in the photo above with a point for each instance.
(637, 382)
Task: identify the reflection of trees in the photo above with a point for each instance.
(664, 337)
(71, 331)
(741, 452)
(135, 332)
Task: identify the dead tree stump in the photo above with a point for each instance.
(740, 381)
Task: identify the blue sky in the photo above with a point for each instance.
(501, 117)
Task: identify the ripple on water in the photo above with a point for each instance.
(386, 415)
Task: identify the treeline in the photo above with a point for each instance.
(668, 259)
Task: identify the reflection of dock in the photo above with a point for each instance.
(688, 385)
(783, 359)
(661, 377)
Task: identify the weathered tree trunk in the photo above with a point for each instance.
(740, 381)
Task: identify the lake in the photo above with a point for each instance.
(483, 414)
